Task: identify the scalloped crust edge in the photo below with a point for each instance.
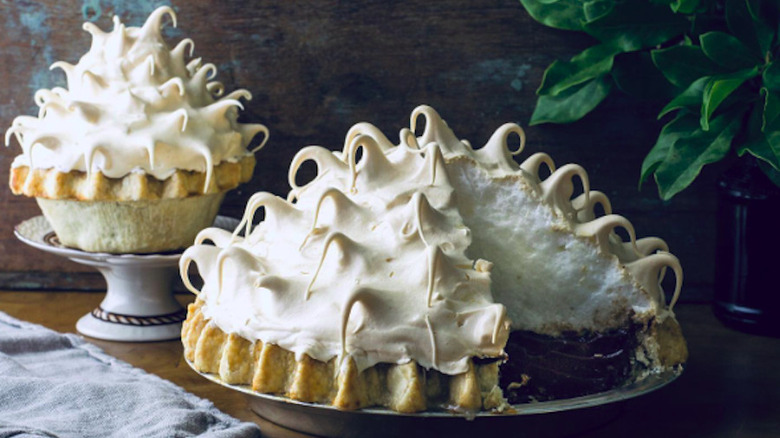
(405, 388)
(80, 186)
(270, 369)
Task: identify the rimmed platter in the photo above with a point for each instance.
(558, 418)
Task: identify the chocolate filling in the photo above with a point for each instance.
(542, 367)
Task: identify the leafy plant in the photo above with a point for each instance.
(714, 62)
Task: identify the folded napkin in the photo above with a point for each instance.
(58, 385)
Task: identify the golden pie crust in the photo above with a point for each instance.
(80, 186)
(137, 213)
(130, 227)
(270, 369)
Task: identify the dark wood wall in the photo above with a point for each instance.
(317, 67)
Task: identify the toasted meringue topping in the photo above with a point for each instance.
(392, 256)
(366, 261)
(558, 268)
(134, 105)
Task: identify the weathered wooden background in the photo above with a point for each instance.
(317, 67)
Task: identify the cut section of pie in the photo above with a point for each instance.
(391, 279)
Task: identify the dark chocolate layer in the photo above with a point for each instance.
(543, 368)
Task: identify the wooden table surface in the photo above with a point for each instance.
(730, 388)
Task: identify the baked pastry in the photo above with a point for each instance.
(391, 278)
(137, 153)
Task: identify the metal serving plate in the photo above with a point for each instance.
(556, 418)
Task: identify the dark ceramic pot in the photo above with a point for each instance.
(747, 277)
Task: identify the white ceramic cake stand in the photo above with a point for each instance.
(139, 304)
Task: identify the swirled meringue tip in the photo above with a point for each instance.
(425, 251)
(132, 104)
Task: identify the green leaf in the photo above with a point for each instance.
(689, 154)
(753, 33)
(594, 9)
(756, 141)
(771, 110)
(765, 151)
(683, 64)
(758, 144)
(718, 88)
(691, 97)
(633, 25)
(560, 14)
(591, 63)
(635, 74)
(771, 76)
(727, 51)
(684, 6)
(772, 153)
(682, 125)
(754, 7)
(571, 104)
(706, 22)
(771, 172)
(765, 11)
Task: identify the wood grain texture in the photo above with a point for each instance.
(317, 67)
(728, 388)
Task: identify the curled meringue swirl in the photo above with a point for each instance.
(366, 261)
(395, 253)
(132, 104)
(559, 265)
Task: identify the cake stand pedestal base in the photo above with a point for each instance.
(139, 304)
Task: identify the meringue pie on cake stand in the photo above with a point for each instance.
(128, 163)
(139, 304)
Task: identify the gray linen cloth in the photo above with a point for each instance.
(58, 385)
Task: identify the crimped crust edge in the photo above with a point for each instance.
(270, 369)
(80, 186)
